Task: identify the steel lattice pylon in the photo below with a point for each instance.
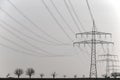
(109, 58)
(93, 41)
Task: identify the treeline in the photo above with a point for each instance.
(30, 72)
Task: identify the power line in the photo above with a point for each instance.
(13, 35)
(27, 36)
(16, 50)
(91, 15)
(30, 54)
(65, 21)
(24, 41)
(56, 20)
(35, 47)
(76, 15)
(55, 17)
(62, 17)
(53, 55)
(13, 42)
(27, 18)
(90, 11)
(25, 26)
(72, 16)
(85, 52)
(29, 29)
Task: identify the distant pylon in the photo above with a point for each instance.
(108, 59)
(114, 66)
(94, 33)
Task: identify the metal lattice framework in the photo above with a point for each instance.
(93, 41)
(108, 59)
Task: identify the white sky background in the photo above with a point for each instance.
(107, 17)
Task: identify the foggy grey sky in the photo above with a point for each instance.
(69, 60)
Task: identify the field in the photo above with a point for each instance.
(60, 79)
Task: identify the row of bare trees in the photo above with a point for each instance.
(30, 72)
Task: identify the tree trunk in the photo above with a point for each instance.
(18, 76)
(41, 76)
(30, 76)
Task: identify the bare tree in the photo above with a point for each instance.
(75, 76)
(83, 76)
(41, 75)
(64, 76)
(30, 72)
(7, 75)
(18, 72)
(53, 74)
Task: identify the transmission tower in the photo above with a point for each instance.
(109, 59)
(114, 67)
(93, 41)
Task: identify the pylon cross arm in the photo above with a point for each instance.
(114, 69)
(82, 42)
(108, 59)
(93, 33)
(108, 55)
(102, 42)
(84, 33)
(114, 66)
(101, 60)
(92, 42)
(113, 60)
(102, 33)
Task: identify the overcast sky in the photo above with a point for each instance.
(45, 46)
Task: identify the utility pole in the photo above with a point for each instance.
(108, 59)
(93, 41)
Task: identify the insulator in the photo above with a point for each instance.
(99, 36)
(102, 44)
(87, 35)
(110, 36)
(79, 45)
(81, 35)
(105, 35)
(107, 45)
(84, 45)
(76, 35)
(73, 44)
(113, 44)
